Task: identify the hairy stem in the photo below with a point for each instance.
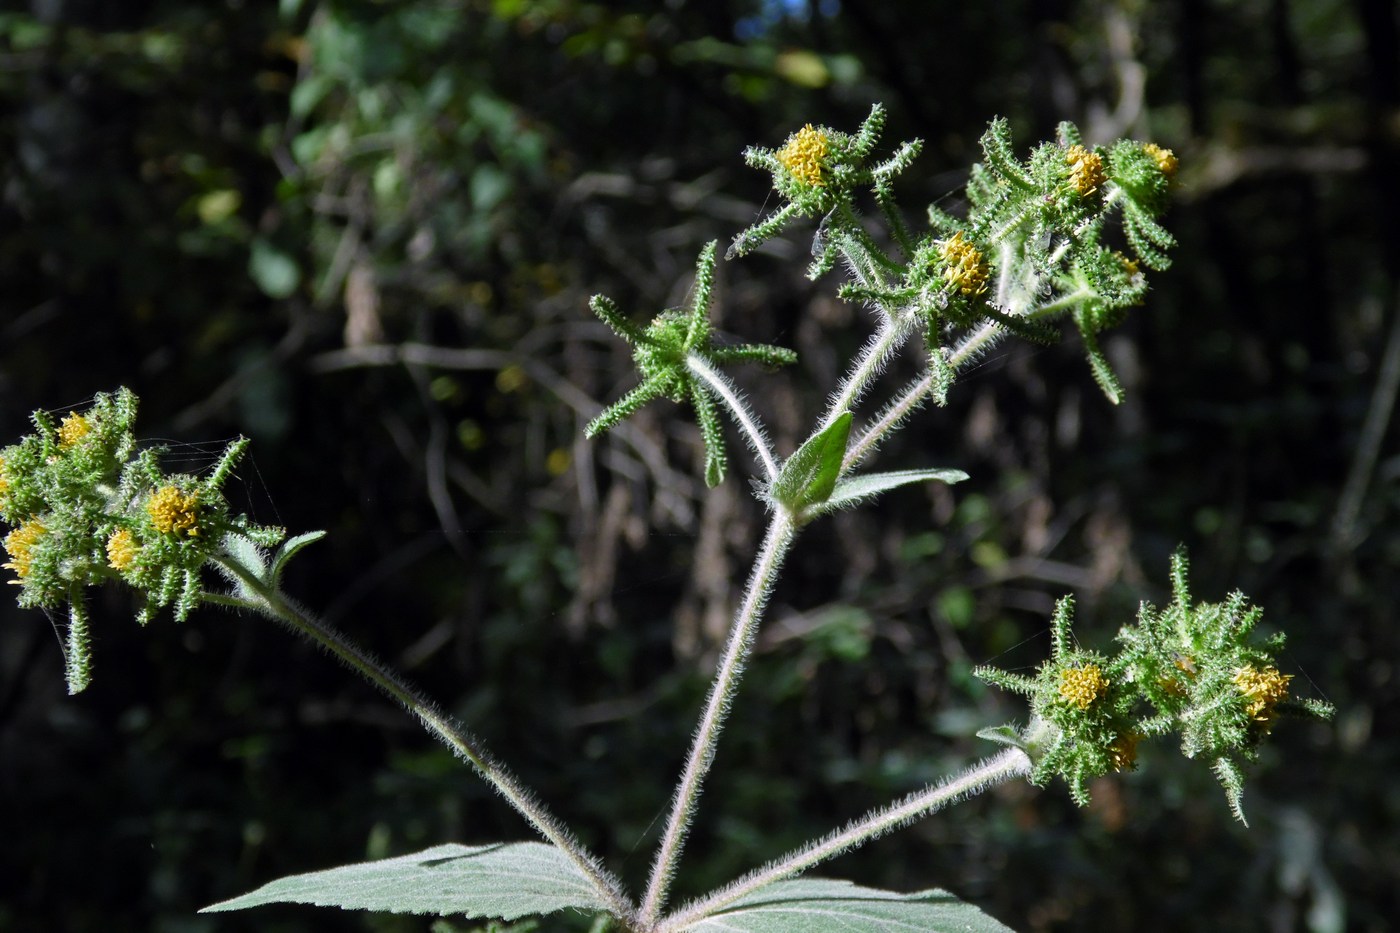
(724, 390)
(908, 401)
(987, 773)
(272, 602)
(702, 751)
(872, 359)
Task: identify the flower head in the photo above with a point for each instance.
(173, 511)
(1262, 689)
(1166, 159)
(1123, 751)
(1081, 686)
(803, 154)
(121, 549)
(1086, 172)
(966, 270)
(20, 545)
(74, 428)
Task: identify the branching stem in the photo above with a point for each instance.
(871, 361)
(908, 401)
(989, 772)
(272, 602)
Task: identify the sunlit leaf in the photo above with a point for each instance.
(501, 881)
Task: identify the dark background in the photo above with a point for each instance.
(364, 235)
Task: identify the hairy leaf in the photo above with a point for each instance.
(505, 881)
(855, 489)
(809, 905)
(288, 550)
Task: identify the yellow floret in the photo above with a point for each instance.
(1123, 751)
(121, 549)
(4, 481)
(1263, 690)
(20, 545)
(73, 429)
(803, 154)
(173, 511)
(1086, 170)
(966, 270)
(1082, 685)
(1166, 159)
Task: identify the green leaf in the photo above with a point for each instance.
(809, 475)
(854, 489)
(501, 881)
(809, 905)
(285, 553)
(1003, 735)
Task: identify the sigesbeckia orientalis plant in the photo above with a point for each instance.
(1062, 235)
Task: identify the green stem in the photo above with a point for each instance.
(271, 601)
(702, 751)
(987, 773)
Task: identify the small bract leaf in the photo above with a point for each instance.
(289, 549)
(500, 881)
(1003, 735)
(809, 475)
(854, 489)
(247, 552)
(819, 906)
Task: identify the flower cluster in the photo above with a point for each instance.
(1186, 669)
(1030, 250)
(86, 506)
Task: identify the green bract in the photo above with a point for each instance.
(668, 352)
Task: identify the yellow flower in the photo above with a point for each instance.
(20, 545)
(121, 549)
(1176, 686)
(1082, 685)
(4, 481)
(1123, 751)
(73, 429)
(1262, 690)
(1086, 170)
(1166, 159)
(802, 155)
(966, 269)
(173, 511)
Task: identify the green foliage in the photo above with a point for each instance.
(150, 141)
(80, 488)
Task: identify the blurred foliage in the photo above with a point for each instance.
(363, 233)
